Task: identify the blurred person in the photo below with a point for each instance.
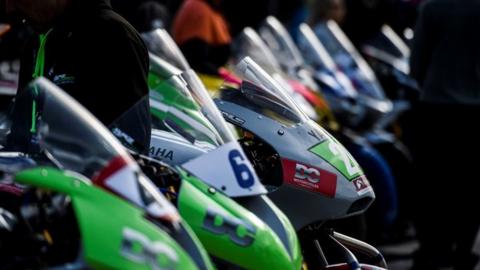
(249, 13)
(446, 62)
(4, 28)
(92, 53)
(201, 31)
(364, 18)
(324, 10)
(144, 15)
(151, 15)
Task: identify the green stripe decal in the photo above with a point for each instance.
(336, 155)
(40, 61)
(38, 72)
(33, 128)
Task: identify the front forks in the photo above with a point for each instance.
(344, 249)
(374, 256)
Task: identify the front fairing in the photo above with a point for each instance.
(88, 148)
(115, 234)
(356, 98)
(181, 106)
(42, 127)
(306, 148)
(172, 104)
(316, 168)
(231, 232)
(389, 56)
(195, 197)
(325, 73)
(388, 47)
(226, 170)
(349, 60)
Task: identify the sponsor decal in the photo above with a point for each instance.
(161, 153)
(239, 164)
(317, 135)
(334, 153)
(138, 248)
(309, 177)
(238, 231)
(63, 79)
(232, 173)
(232, 118)
(361, 185)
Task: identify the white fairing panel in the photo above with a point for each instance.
(228, 170)
(135, 187)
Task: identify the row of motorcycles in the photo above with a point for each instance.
(246, 170)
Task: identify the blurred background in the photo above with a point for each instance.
(370, 43)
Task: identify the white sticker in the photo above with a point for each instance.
(126, 183)
(228, 170)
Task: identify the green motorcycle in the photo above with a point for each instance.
(77, 199)
(224, 204)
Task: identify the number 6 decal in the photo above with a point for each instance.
(242, 172)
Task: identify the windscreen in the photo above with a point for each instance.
(180, 104)
(161, 44)
(263, 94)
(249, 44)
(280, 43)
(47, 121)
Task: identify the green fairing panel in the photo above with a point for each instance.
(229, 231)
(296, 250)
(170, 93)
(115, 234)
(168, 102)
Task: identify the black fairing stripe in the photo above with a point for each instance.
(261, 209)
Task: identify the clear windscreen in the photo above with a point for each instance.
(48, 122)
(182, 105)
(313, 50)
(249, 44)
(263, 94)
(161, 44)
(348, 59)
(281, 43)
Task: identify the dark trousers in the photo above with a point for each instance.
(446, 185)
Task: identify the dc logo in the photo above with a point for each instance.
(138, 248)
(303, 172)
(229, 226)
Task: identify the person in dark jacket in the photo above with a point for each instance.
(446, 62)
(92, 53)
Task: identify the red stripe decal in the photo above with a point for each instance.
(113, 166)
(12, 189)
